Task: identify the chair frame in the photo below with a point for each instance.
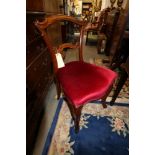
(42, 26)
(100, 24)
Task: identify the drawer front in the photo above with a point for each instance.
(33, 50)
(40, 67)
(38, 75)
(40, 91)
(42, 84)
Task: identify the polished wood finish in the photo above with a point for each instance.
(121, 60)
(42, 26)
(59, 18)
(97, 26)
(39, 77)
(110, 29)
(123, 77)
(37, 5)
(114, 40)
(121, 36)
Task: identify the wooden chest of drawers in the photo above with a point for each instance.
(38, 79)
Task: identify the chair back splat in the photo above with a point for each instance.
(43, 25)
(80, 82)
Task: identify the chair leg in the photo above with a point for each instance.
(58, 88)
(105, 97)
(77, 120)
(86, 37)
(71, 109)
(76, 114)
(120, 84)
(99, 42)
(107, 47)
(103, 103)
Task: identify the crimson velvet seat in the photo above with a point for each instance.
(80, 82)
(83, 82)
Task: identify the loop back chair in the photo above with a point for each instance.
(80, 82)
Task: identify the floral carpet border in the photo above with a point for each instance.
(53, 125)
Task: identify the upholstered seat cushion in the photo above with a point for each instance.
(82, 82)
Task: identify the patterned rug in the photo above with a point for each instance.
(102, 131)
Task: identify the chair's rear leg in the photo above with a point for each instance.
(120, 84)
(103, 103)
(58, 88)
(86, 37)
(99, 42)
(105, 97)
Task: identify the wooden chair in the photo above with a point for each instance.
(110, 27)
(80, 82)
(98, 25)
(108, 33)
(124, 74)
(121, 61)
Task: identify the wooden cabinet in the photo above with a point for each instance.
(37, 5)
(38, 78)
(39, 73)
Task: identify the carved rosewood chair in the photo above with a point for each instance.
(96, 26)
(80, 82)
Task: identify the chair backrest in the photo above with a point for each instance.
(119, 4)
(43, 25)
(103, 18)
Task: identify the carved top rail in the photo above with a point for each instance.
(43, 25)
(58, 18)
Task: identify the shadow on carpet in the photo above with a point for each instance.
(102, 131)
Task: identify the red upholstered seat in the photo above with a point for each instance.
(82, 82)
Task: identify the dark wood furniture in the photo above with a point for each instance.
(96, 27)
(107, 32)
(39, 68)
(112, 29)
(80, 82)
(121, 61)
(124, 74)
(37, 5)
(39, 76)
